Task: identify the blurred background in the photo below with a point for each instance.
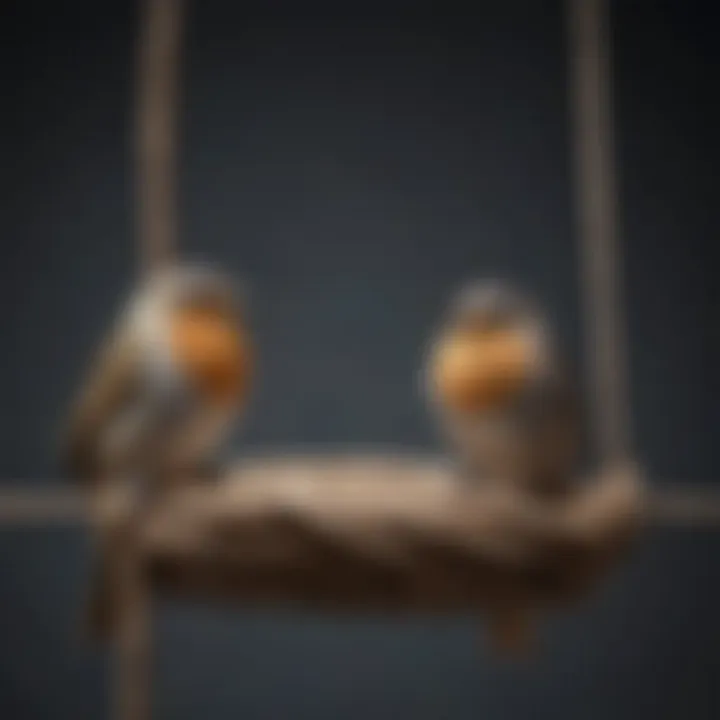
(353, 163)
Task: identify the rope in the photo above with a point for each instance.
(157, 203)
(597, 215)
(156, 131)
(680, 504)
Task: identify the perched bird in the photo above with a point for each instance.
(505, 403)
(167, 385)
(168, 382)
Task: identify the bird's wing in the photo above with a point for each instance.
(111, 383)
(555, 425)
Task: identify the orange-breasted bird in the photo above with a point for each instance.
(167, 386)
(505, 404)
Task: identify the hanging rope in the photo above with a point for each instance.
(156, 131)
(597, 215)
(157, 207)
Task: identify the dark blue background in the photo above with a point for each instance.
(355, 164)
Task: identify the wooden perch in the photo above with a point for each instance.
(382, 534)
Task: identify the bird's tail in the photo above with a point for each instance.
(511, 632)
(101, 604)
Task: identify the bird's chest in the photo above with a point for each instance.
(168, 421)
(187, 422)
(497, 442)
(530, 445)
(496, 447)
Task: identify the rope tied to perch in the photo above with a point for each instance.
(600, 273)
(158, 80)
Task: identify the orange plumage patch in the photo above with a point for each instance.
(214, 352)
(479, 370)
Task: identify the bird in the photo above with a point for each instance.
(505, 402)
(166, 386)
